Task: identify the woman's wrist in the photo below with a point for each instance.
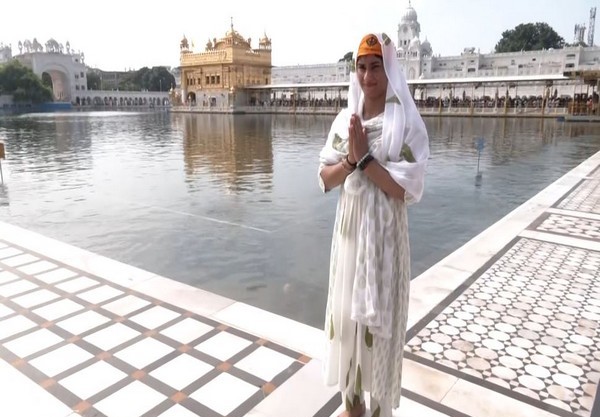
(348, 166)
(364, 161)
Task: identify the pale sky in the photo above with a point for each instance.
(119, 35)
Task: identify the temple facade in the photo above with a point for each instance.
(218, 76)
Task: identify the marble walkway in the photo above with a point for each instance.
(505, 326)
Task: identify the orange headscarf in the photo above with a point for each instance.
(369, 45)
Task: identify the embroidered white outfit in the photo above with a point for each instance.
(369, 280)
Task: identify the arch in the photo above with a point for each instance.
(61, 79)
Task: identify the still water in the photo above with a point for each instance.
(231, 204)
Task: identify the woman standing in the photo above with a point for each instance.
(377, 150)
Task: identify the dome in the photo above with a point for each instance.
(264, 40)
(410, 15)
(426, 48)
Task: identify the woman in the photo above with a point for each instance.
(377, 150)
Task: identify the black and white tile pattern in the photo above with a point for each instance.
(529, 324)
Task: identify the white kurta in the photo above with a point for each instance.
(353, 353)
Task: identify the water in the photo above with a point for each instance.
(231, 204)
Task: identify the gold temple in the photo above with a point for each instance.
(217, 76)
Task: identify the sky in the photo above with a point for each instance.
(121, 35)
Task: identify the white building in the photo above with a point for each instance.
(419, 64)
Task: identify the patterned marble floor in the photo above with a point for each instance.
(94, 344)
(508, 325)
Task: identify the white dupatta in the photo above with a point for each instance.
(404, 153)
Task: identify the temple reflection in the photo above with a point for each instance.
(236, 149)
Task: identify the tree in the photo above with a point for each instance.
(347, 57)
(21, 82)
(93, 80)
(529, 37)
(151, 79)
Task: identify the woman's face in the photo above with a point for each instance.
(371, 77)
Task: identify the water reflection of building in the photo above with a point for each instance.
(236, 149)
(211, 78)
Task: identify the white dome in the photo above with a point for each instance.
(410, 15)
(426, 48)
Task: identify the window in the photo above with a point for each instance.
(218, 79)
(82, 75)
(570, 56)
(207, 79)
(570, 66)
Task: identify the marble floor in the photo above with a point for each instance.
(505, 326)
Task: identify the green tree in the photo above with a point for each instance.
(151, 79)
(93, 80)
(20, 82)
(347, 57)
(529, 37)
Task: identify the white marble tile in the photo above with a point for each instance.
(265, 363)
(304, 393)
(16, 287)
(36, 298)
(563, 240)
(223, 345)
(475, 400)
(131, 401)
(580, 214)
(181, 371)
(24, 398)
(143, 352)
(426, 381)
(60, 359)
(5, 311)
(178, 411)
(100, 294)
(6, 252)
(92, 379)
(33, 342)
(186, 330)
(183, 295)
(58, 309)
(77, 284)
(14, 325)
(111, 336)
(6, 276)
(82, 322)
(56, 275)
(126, 305)
(37, 267)
(409, 407)
(18, 260)
(154, 317)
(224, 393)
(281, 330)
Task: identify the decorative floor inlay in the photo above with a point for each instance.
(586, 198)
(571, 226)
(105, 350)
(529, 324)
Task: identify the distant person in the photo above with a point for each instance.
(377, 151)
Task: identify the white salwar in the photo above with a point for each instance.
(367, 305)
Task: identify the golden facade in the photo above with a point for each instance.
(226, 65)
